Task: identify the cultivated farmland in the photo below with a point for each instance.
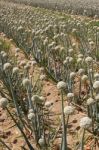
(49, 77)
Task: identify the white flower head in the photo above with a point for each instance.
(96, 16)
(70, 59)
(96, 85)
(48, 104)
(74, 45)
(72, 75)
(3, 102)
(74, 30)
(2, 52)
(90, 101)
(80, 55)
(41, 142)
(42, 77)
(89, 60)
(68, 110)
(15, 70)
(42, 70)
(85, 122)
(30, 110)
(42, 98)
(97, 97)
(70, 95)
(31, 116)
(70, 51)
(65, 62)
(61, 85)
(36, 99)
(79, 60)
(81, 71)
(96, 76)
(17, 50)
(90, 70)
(91, 43)
(4, 55)
(84, 78)
(26, 82)
(7, 66)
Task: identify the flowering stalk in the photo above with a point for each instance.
(29, 97)
(91, 84)
(19, 127)
(80, 84)
(85, 123)
(15, 101)
(13, 96)
(82, 140)
(64, 142)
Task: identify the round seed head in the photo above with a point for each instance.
(70, 51)
(90, 101)
(31, 116)
(96, 76)
(89, 60)
(96, 85)
(4, 55)
(42, 77)
(15, 70)
(90, 70)
(42, 98)
(7, 66)
(74, 30)
(84, 78)
(17, 50)
(26, 82)
(81, 72)
(48, 104)
(70, 95)
(61, 85)
(41, 142)
(36, 99)
(68, 110)
(85, 122)
(96, 16)
(70, 59)
(3, 102)
(91, 43)
(80, 55)
(2, 52)
(79, 60)
(72, 75)
(74, 45)
(97, 97)
(42, 70)
(65, 62)
(30, 110)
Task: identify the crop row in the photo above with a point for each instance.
(67, 49)
(86, 7)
